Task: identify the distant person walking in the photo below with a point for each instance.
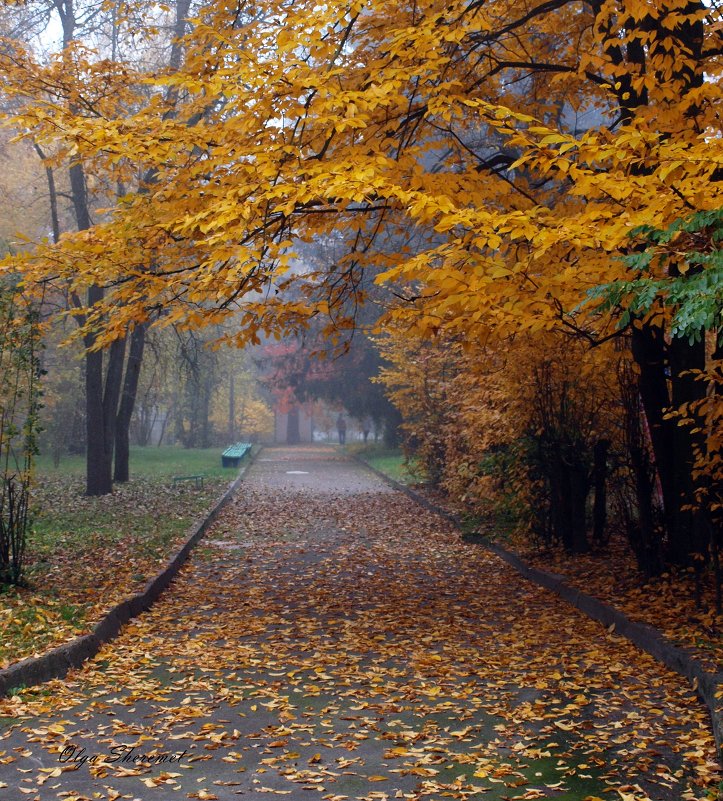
(341, 428)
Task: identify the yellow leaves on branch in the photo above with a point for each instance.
(506, 166)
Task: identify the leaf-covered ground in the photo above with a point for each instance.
(330, 639)
(668, 602)
(672, 603)
(87, 554)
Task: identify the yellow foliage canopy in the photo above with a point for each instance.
(512, 149)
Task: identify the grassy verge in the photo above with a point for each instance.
(391, 462)
(87, 554)
(158, 463)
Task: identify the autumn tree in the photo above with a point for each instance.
(515, 433)
(519, 155)
(111, 374)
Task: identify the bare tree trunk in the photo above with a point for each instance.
(662, 366)
(111, 395)
(127, 403)
(600, 474)
(231, 405)
(101, 392)
(97, 481)
(164, 425)
(107, 424)
(688, 535)
(99, 450)
(100, 395)
(293, 435)
(52, 194)
(665, 380)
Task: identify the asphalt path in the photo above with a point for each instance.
(330, 639)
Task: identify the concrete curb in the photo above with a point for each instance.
(645, 637)
(56, 663)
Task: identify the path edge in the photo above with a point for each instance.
(706, 684)
(56, 663)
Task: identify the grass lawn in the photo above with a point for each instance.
(156, 463)
(391, 462)
(86, 554)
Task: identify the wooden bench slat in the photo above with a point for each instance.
(234, 453)
(240, 447)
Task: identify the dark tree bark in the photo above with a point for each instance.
(665, 384)
(600, 475)
(99, 478)
(127, 403)
(569, 484)
(231, 405)
(122, 420)
(715, 490)
(106, 421)
(101, 391)
(687, 531)
(205, 411)
(102, 394)
(97, 482)
(293, 435)
(644, 526)
(648, 348)
(164, 425)
(579, 483)
(642, 535)
(52, 194)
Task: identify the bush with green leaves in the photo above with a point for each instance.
(680, 268)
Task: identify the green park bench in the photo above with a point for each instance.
(197, 479)
(233, 455)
